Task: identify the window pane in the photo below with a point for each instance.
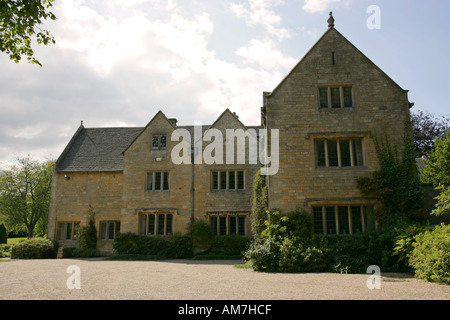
(166, 181)
(213, 224)
(155, 142)
(231, 180)
(240, 180)
(151, 224)
(222, 226)
(161, 219)
(331, 220)
(358, 159)
(323, 97)
(157, 180)
(232, 227)
(345, 153)
(142, 224)
(223, 180)
(111, 230)
(348, 99)
(215, 180)
(356, 219)
(320, 153)
(69, 231)
(61, 231)
(332, 153)
(344, 227)
(169, 222)
(335, 98)
(241, 226)
(163, 142)
(103, 230)
(318, 220)
(149, 181)
(76, 227)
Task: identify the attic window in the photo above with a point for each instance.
(333, 58)
(159, 142)
(336, 97)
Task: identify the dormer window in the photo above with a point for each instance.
(159, 142)
(335, 97)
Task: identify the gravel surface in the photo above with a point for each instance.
(196, 280)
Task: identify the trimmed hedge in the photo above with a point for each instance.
(35, 248)
(172, 247)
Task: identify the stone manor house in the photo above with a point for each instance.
(327, 110)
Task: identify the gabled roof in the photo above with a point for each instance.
(143, 129)
(330, 29)
(103, 149)
(96, 150)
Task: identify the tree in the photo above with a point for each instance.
(437, 172)
(25, 193)
(3, 234)
(19, 23)
(426, 128)
(260, 204)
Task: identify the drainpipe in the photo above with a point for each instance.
(192, 181)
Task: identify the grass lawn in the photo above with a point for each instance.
(16, 240)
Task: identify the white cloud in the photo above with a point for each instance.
(265, 53)
(119, 64)
(104, 40)
(313, 6)
(257, 12)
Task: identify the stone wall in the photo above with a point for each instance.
(76, 195)
(380, 108)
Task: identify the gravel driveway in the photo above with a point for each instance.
(195, 280)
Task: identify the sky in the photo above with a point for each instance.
(116, 63)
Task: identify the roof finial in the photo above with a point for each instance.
(331, 21)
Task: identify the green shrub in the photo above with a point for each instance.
(296, 256)
(83, 253)
(36, 248)
(87, 236)
(431, 255)
(127, 243)
(5, 250)
(230, 245)
(172, 247)
(200, 232)
(264, 254)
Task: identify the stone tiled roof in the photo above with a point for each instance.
(96, 150)
(101, 149)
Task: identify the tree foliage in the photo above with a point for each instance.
(20, 22)
(25, 194)
(437, 172)
(426, 127)
(3, 234)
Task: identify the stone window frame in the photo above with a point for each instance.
(356, 159)
(341, 218)
(220, 180)
(153, 218)
(159, 142)
(228, 223)
(105, 233)
(331, 90)
(164, 182)
(72, 233)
